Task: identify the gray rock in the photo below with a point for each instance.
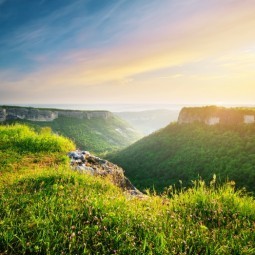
(85, 163)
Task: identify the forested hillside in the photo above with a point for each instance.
(97, 135)
(186, 151)
(46, 208)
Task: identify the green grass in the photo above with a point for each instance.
(96, 135)
(186, 151)
(45, 208)
(58, 212)
(23, 139)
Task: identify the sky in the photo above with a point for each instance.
(127, 52)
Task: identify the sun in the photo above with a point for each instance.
(219, 103)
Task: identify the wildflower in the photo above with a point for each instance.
(72, 235)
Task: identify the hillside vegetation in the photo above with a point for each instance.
(45, 208)
(97, 135)
(23, 139)
(21, 147)
(186, 151)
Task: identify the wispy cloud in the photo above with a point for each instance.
(128, 59)
(173, 76)
(155, 36)
(50, 29)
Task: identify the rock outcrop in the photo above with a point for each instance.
(212, 115)
(34, 114)
(86, 163)
(84, 114)
(29, 114)
(2, 114)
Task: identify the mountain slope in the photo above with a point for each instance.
(186, 151)
(97, 134)
(46, 208)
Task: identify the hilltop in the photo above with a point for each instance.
(212, 115)
(96, 131)
(193, 147)
(47, 208)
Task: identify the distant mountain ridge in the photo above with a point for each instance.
(40, 114)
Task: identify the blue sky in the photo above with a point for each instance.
(45, 27)
(122, 51)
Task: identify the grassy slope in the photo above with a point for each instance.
(184, 152)
(47, 209)
(96, 135)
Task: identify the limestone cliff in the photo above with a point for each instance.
(212, 115)
(12, 113)
(2, 114)
(34, 114)
(85, 114)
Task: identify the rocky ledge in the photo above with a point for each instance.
(212, 115)
(36, 114)
(86, 163)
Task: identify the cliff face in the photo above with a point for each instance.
(212, 115)
(29, 114)
(85, 114)
(34, 114)
(2, 114)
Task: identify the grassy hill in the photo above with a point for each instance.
(97, 135)
(45, 208)
(186, 151)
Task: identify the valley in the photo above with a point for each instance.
(194, 148)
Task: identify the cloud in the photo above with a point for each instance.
(210, 31)
(127, 60)
(173, 76)
(62, 29)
